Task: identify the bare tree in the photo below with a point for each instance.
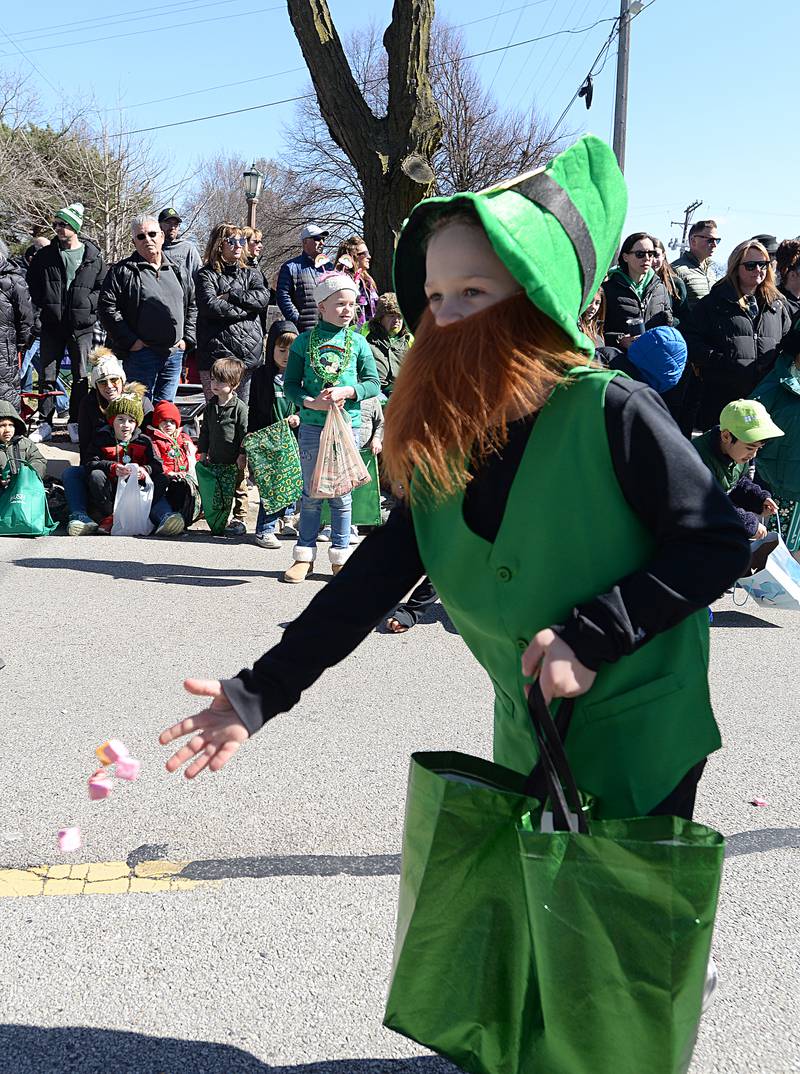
(482, 143)
(385, 150)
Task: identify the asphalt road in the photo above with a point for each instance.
(280, 963)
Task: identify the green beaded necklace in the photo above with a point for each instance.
(336, 369)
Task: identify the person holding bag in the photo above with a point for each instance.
(23, 500)
(329, 366)
(515, 419)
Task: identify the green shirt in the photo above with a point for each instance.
(223, 430)
(72, 261)
(301, 381)
(725, 470)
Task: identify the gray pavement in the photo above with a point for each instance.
(276, 973)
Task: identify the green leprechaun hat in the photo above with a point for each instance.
(556, 230)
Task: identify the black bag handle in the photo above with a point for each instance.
(553, 768)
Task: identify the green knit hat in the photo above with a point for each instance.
(130, 402)
(556, 230)
(72, 215)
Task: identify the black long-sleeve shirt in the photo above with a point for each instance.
(700, 549)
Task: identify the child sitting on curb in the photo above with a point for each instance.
(177, 452)
(15, 443)
(728, 450)
(116, 448)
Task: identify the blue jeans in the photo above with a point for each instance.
(310, 509)
(76, 490)
(160, 376)
(266, 523)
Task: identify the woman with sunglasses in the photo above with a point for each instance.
(636, 299)
(353, 258)
(231, 298)
(736, 331)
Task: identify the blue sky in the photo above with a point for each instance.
(710, 113)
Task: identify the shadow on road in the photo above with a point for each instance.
(81, 1050)
(165, 573)
(740, 619)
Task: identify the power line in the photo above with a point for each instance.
(501, 61)
(80, 26)
(307, 96)
(504, 11)
(157, 29)
(30, 61)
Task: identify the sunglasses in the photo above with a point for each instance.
(751, 266)
(59, 223)
(710, 240)
(642, 254)
(362, 253)
(232, 240)
(146, 235)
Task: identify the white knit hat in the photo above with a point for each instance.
(333, 282)
(104, 365)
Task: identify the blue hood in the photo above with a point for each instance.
(660, 357)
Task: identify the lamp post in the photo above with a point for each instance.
(253, 181)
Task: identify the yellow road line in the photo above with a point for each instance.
(96, 878)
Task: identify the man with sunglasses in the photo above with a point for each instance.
(181, 251)
(299, 276)
(696, 267)
(147, 306)
(64, 279)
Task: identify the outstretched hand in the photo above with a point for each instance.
(218, 732)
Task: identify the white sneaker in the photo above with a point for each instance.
(43, 432)
(324, 534)
(710, 987)
(72, 429)
(267, 540)
(355, 536)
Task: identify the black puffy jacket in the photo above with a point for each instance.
(622, 303)
(75, 309)
(229, 308)
(16, 329)
(729, 346)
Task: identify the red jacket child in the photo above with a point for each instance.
(173, 446)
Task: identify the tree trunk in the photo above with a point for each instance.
(376, 145)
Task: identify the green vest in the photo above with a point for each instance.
(566, 536)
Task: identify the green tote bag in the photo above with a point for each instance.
(23, 503)
(542, 941)
(217, 484)
(366, 498)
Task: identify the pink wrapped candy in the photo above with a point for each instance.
(758, 802)
(111, 752)
(69, 839)
(100, 785)
(128, 768)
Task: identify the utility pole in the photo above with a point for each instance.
(688, 213)
(626, 10)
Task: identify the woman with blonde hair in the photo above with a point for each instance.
(353, 258)
(231, 298)
(736, 331)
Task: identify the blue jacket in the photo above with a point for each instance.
(296, 282)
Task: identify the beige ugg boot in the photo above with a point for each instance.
(338, 558)
(302, 566)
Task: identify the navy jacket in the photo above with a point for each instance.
(296, 282)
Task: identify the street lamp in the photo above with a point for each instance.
(253, 181)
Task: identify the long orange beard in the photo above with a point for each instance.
(460, 386)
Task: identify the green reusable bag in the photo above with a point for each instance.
(274, 459)
(522, 950)
(217, 484)
(366, 498)
(23, 503)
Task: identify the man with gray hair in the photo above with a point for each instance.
(147, 306)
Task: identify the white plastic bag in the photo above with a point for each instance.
(777, 585)
(132, 505)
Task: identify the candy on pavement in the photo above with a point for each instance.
(128, 768)
(69, 839)
(111, 751)
(100, 785)
(758, 801)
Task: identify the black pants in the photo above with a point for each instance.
(680, 801)
(421, 600)
(52, 344)
(103, 489)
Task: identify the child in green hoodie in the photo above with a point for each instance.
(16, 444)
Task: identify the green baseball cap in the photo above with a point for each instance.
(748, 421)
(556, 230)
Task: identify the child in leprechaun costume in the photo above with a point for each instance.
(568, 527)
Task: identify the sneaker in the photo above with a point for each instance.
(106, 524)
(43, 432)
(298, 572)
(710, 987)
(289, 528)
(72, 429)
(81, 526)
(235, 529)
(324, 534)
(267, 540)
(355, 536)
(170, 525)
